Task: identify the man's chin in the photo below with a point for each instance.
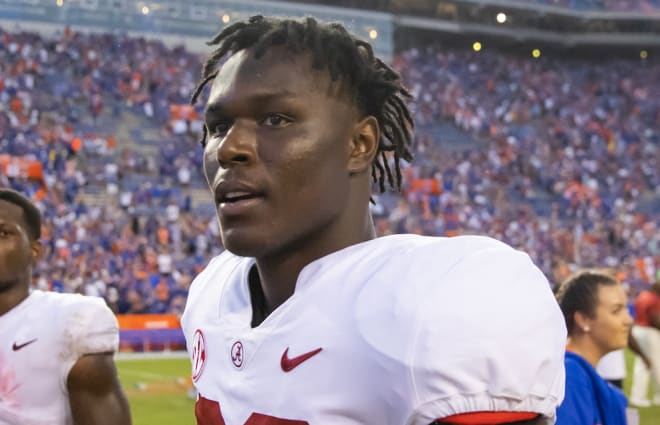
(242, 245)
(7, 285)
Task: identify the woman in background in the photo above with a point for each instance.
(595, 308)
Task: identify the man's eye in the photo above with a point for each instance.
(219, 129)
(276, 120)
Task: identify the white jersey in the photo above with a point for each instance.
(612, 365)
(399, 330)
(42, 338)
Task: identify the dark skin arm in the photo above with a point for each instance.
(95, 395)
(635, 348)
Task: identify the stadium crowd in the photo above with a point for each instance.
(582, 5)
(563, 161)
(606, 5)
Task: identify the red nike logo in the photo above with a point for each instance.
(25, 344)
(289, 364)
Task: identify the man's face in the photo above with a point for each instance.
(17, 253)
(277, 152)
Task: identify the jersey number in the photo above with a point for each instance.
(208, 413)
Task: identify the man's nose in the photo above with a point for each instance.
(238, 146)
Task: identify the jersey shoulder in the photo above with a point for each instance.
(424, 258)
(480, 306)
(87, 322)
(396, 287)
(212, 281)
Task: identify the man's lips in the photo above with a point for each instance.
(239, 206)
(235, 197)
(230, 191)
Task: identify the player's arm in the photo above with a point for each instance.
(95, 395)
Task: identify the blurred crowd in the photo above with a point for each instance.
(607, 5)
(583, 5)
(58, 98)
(558, 158)
(565, 164)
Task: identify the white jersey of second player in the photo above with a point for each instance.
(42, 338)
(398, 330)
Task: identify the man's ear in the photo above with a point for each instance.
(364, 145)
(35, 247)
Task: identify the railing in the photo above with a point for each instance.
(150, 332)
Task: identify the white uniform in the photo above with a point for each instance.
(612, 366)
(399, 330)
(42, 338)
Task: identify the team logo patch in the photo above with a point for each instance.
(237, 354)
(198, 355)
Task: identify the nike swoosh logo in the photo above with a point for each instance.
(289, 364)
(25, 344)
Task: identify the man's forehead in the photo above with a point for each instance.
(276, 71)
(11, 214)
(10, 209)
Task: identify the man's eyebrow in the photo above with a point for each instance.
(256, 98)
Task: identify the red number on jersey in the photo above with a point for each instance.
(208, 413)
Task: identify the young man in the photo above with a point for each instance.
(647, 333)
(56, 359)
(308, 318)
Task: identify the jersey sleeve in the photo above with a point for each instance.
(90, 327)
(490, 337)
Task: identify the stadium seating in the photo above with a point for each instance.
(97, 130)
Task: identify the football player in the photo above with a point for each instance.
(56, 358)
(308, 317)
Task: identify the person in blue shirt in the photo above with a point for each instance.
(595, 308)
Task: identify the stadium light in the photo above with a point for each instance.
(373, 34)
(145, 10)
(536, 53)
(643, 54)
(501, 18)
(225, 19)
(59, 3)
(476, 46)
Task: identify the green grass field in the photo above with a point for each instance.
(157, 391)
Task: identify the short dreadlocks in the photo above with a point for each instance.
(376, 88)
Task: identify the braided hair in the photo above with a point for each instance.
(376, 89)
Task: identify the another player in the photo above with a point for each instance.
(647, 333)
(595, 307)
(56, 358)
(308, 318)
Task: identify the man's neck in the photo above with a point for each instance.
(277, 275)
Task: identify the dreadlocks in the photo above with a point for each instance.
(375, 88)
